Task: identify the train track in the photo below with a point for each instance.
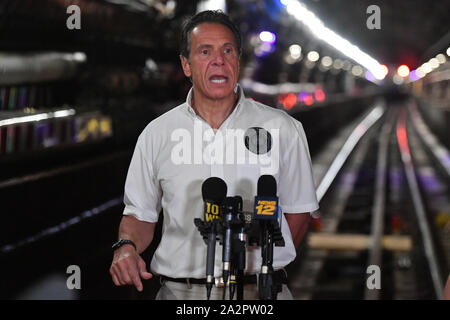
(376, 237)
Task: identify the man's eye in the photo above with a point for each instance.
(228, 50)
(205, 51)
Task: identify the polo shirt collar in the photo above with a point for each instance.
(239, 104)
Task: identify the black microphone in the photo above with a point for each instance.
(229, 207)
(268, 213)
(266, 200)
(238, 266)
(214, 191)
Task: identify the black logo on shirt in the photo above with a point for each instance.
(258, 140)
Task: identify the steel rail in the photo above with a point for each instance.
(378, 210)
(424, 228)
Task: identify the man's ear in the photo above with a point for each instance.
(186, 66)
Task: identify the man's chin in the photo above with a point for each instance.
(221, 93)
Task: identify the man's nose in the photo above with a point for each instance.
(218, 58)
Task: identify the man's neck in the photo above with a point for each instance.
(214, 112)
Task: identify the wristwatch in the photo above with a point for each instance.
(122, 242)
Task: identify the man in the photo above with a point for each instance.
(168, 168)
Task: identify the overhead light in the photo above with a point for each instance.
(316, 26)
(403, 71)
(267, 37)
(385, 69)
(426, 67)
(338, 64)
(346, 65)
(79, 56)
(434, 63)
(441, 58)
(295, 51)
(212, 5)
(313, 56)
(357, 71)
(151, 65)
(397, 79)
(414, 75)
(420, 73)
(327, 61)
(37, 117)
(264, 49)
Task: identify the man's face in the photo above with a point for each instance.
(213, 61)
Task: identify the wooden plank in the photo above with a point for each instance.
(332, 241)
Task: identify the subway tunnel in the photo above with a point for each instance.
(80, 80)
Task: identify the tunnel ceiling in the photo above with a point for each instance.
(108, 28)
(409, 28)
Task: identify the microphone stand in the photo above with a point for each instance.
(265, 278)
(234, 241)
(228, 209)
(238, 257)
(208, 230)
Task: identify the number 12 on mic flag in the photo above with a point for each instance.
(266, 208)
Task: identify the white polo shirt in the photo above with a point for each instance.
(178, 151)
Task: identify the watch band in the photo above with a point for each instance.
(122, 242)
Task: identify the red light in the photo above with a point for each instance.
(385, 69)
(320, 95)
(289, 101)
(403, 71)
(309, 100)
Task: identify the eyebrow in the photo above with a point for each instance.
(210, 45)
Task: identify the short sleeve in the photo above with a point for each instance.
(142, 197)
(296, 187)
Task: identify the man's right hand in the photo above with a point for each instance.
(128, 268)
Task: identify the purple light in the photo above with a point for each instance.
(446, 159)
(264, 49)
(369, 76)
(414, 76)
(267, 37)
(302, 96)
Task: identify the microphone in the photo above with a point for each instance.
(268, 213)
(266, 203)
(230, 207)
(238, 266)
(233, 242)
(214, 191)
(266, 200)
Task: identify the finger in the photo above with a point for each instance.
(146, 275)
(132, 273)
(117, 274)
(137, 282)
(124, 274)
(115, 280)
(143, 272)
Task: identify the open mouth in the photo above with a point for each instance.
(218, 79)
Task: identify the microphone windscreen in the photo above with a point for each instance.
(267, 186)
(214, 189)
